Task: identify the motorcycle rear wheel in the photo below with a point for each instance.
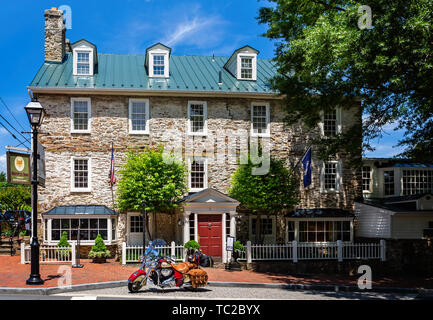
(136, 285)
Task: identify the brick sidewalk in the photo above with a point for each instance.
(14, 274)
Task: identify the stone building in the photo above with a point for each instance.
(208, 108)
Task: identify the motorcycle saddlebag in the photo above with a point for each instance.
(198, 277)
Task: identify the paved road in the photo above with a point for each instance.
(222, 293)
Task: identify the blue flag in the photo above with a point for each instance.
(306, 162)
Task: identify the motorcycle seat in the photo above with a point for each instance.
(183, 267)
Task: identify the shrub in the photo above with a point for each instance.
(99, 250)
(192, 245)
(238, 246)
(64, 243)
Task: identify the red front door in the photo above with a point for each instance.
(210, 234)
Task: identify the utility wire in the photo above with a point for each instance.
(13, 136)
(1, 99)
(14, 128)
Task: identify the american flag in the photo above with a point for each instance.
(111, 175)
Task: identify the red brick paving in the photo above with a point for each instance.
(14, 274)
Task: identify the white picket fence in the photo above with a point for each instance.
(131, 253)
(296, 251)
(50, 254)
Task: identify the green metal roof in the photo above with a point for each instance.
(187, 73)
(81, 209)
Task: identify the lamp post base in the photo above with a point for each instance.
(35, 279)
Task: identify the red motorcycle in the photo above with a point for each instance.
(164, 272)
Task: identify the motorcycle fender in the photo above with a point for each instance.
(177, 274)
(136, 274)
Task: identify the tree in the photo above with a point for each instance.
(325, 60)
(14, 197)
(157, 178)
(2, 177)
(272, 193)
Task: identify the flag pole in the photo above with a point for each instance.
(294, 168)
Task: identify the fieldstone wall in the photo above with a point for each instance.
(54, 35)
(228, 125)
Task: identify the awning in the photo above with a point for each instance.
(80, 209)
(320, 213)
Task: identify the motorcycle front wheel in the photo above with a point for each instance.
(136, 285)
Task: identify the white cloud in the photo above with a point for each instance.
(3, 131)
(3, 163)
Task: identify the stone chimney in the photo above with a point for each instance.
(54, 35)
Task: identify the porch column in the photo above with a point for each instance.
(233, 215)
(224, 235)
(186, 234)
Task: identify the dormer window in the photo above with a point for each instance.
(158, 65)
(243, 63)
(158, 61)
(84, 58)
(246, 67)
(83, 63)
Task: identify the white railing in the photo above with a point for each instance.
(50, 254)
(295, 251)
(131, 253)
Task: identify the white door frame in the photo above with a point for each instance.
(128, 228)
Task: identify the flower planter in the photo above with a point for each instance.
(99, 260)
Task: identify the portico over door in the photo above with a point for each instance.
(210, 209)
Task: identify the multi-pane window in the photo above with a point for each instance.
(366, 178)
(138, 115)
(388, 183)
(417, 181)
(83, 63)
(81, 174)
(260, 119)
(158, 65)
(290, 230)
(113, 229)
(246, 67)
(80, 115)
(330, 176)
(265, 226)
(321, 231)
(136, 224)
(89, 228)
(227, 224)
(192, 226)
(330, 123)
(198, 174)
(197, 117)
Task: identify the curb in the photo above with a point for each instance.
(319, 287)
(116, 284)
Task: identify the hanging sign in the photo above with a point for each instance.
(18, 167)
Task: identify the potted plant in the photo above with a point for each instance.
(191, 246)
(99, 252)
(237, 249)
(63, 243)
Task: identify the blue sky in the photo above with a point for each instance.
(203, 27)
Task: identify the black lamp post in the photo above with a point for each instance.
(35, 113)
(143, 213)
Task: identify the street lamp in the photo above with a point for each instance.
(143, 212)
(35, 113)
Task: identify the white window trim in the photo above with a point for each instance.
(166, 63)
(398, 182)
(146, 101)
(254, 65)
(339, 122)
(48, 226)
(371, 180)
(191, 133)
(89, 175)
(338, 178)
(205, 179)
(267, 237)
(267, 134)
(89, 110)
(75, 61)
